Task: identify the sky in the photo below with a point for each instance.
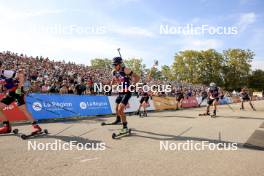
(80, 30)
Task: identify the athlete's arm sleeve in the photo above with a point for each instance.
(2, 81)
(135, 77)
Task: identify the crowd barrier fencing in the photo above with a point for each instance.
(53, 106)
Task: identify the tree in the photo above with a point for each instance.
(166, 72)
(153, 73)
(136, 65)
(210, 67)
(101, 63)
(186, 65)
(236, 68)
(256, 80)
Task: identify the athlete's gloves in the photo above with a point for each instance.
(19, 91)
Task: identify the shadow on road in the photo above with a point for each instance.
(169, 137)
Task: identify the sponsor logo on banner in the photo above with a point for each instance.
(37, 106)
(83, 105)
(61, 106)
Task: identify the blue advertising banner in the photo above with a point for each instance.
(46, 106)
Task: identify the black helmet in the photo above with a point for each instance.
(117, 60)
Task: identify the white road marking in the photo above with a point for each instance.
(88, 159)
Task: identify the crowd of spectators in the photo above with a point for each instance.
(44, 75)
(48, 76)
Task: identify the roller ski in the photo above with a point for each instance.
(37, 131)
(34, 134)
(123, 132)
(116, 122)
(205, 114)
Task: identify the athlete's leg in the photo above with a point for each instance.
(209, 103)
(144, 106)
(215, 102)
(177, 105)
(36, 127)
(242, 104)
(139, 108)
(118, 119)
(2, 115)
(121, 109)
(181, 102)
(208, 109)
(140, 105)
(6, 126)
(251, 105)
(117, 114)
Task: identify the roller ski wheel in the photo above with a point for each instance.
(43, 132)
(121, 134)
(213, 116)
(15, 131)
(145, 114)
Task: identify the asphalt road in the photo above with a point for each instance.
(144, 151)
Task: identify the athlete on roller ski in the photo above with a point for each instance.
(213, 99)
(204, 96)
(122, 76)
(144, 101)
(179, 97)
(245, 97)
(13, 82)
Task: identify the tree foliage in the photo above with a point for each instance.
(230, 69)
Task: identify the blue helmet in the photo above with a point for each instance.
(117, 60)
